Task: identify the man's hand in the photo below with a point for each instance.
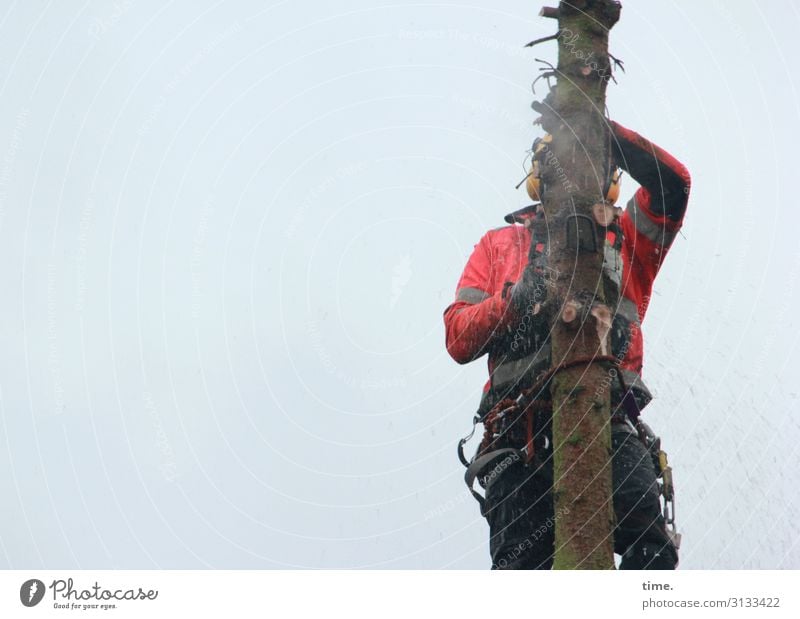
(527, 297)
(528, 294)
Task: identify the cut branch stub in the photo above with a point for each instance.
(571, 313)
(549, 11)
(603, 318)
(605, 213)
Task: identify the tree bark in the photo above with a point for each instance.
(574, 176)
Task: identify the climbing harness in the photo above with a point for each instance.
(509, 423)
(512, 422)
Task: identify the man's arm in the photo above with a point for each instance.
(664, 180)
(479, 310)
(655, 214)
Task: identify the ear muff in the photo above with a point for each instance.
(613, 186)
(533, 183)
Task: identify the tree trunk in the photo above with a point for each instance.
(574, 176)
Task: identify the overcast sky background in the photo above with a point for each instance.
(229, 233)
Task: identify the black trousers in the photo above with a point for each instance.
(519, 508)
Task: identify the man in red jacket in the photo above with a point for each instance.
(492, 295)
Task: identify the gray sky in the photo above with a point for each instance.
(229, 233)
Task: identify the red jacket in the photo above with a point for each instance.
(480, 318)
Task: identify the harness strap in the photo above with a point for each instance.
(479, 464)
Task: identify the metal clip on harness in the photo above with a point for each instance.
(664, 472)
(475, 421)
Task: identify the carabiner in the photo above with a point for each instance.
(464, 440)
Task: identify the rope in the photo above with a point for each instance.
(527, 404)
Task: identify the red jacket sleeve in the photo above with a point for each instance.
(665, 181)
(655, 214)
(479, 311)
